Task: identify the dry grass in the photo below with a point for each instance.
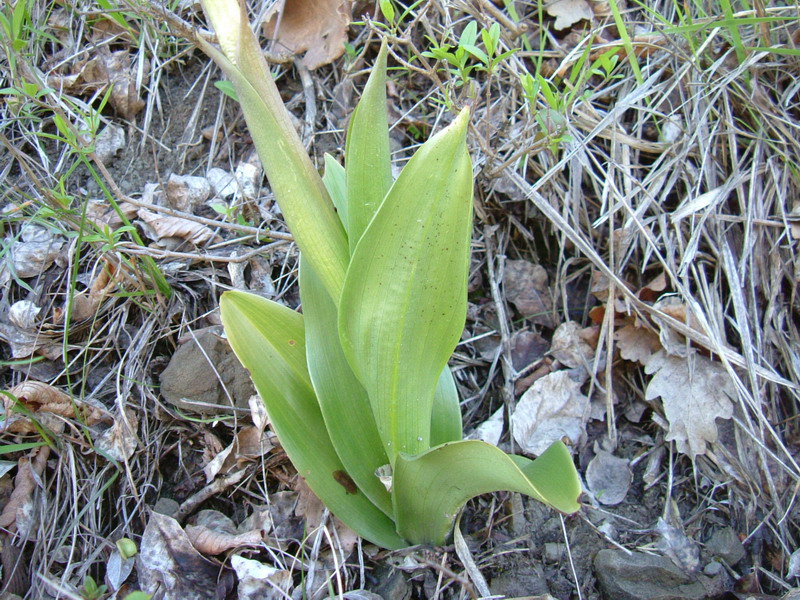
(682, 162)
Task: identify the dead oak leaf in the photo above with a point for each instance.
(526, 286)
(316, 27)
(636, 344)
(695, 392)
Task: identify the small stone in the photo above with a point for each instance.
(185, 192)
(393, 586)
(109, 142)
(713, 568)
(194, 377)
(223, 184)
(554, 551)
(725, 544)
(639, 576)
(166, 506)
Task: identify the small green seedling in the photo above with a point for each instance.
(92, 591)
(458, 57)
(357, 387)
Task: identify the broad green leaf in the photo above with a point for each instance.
(446, 423)
(298, 187)
(404, 300)
(269, 341)
(429, 489)
(367, 160)
(336, 184)
(342, 398)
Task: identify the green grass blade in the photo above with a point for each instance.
(343, 400)
(430, 489)
(404, 300)
(268, 339)
(367, 158)
(298, 188)
(446, 423)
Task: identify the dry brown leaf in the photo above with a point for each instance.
(695, 392)
(654, 288)
(16, 515)
(552, 409)
(248, 444)
(164, 226)
(258, 581)
(170, 565)
(86, 304)
(35, 252)
(214, 533)
(569, 12)
(571, 347)
(316, 27)
(40, 397)
(120, 440)
(526, 286)
(105, 69)
(308, 505)
(636, 344)
(609, 478)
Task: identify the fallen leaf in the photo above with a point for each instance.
(40, 397)
(571, 348)
(35, 252)
(23, 314)
(258, 581)
(695, 392)
(491, 430)
(636, 344)
(170, 565)
(120, 440)
(654, 288)
(568, 12)
(164, 226)
(672, 341)
(552, 409)
(527, 347)
(118, 569)
(682, 550)
(214, 533)
(248, 444)
(316, 27)
(18, 513)
(609, 478)
(86, 304)
(526, 287)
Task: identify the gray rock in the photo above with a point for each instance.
(394, 587)
(523, 580)
(725, 544)
(191, 383)
(640, 576)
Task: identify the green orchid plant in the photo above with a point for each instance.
(357, 387)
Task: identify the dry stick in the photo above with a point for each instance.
(502, 317)
(211, 258)
(219, 485)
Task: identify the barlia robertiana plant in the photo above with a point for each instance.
(357, 387)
